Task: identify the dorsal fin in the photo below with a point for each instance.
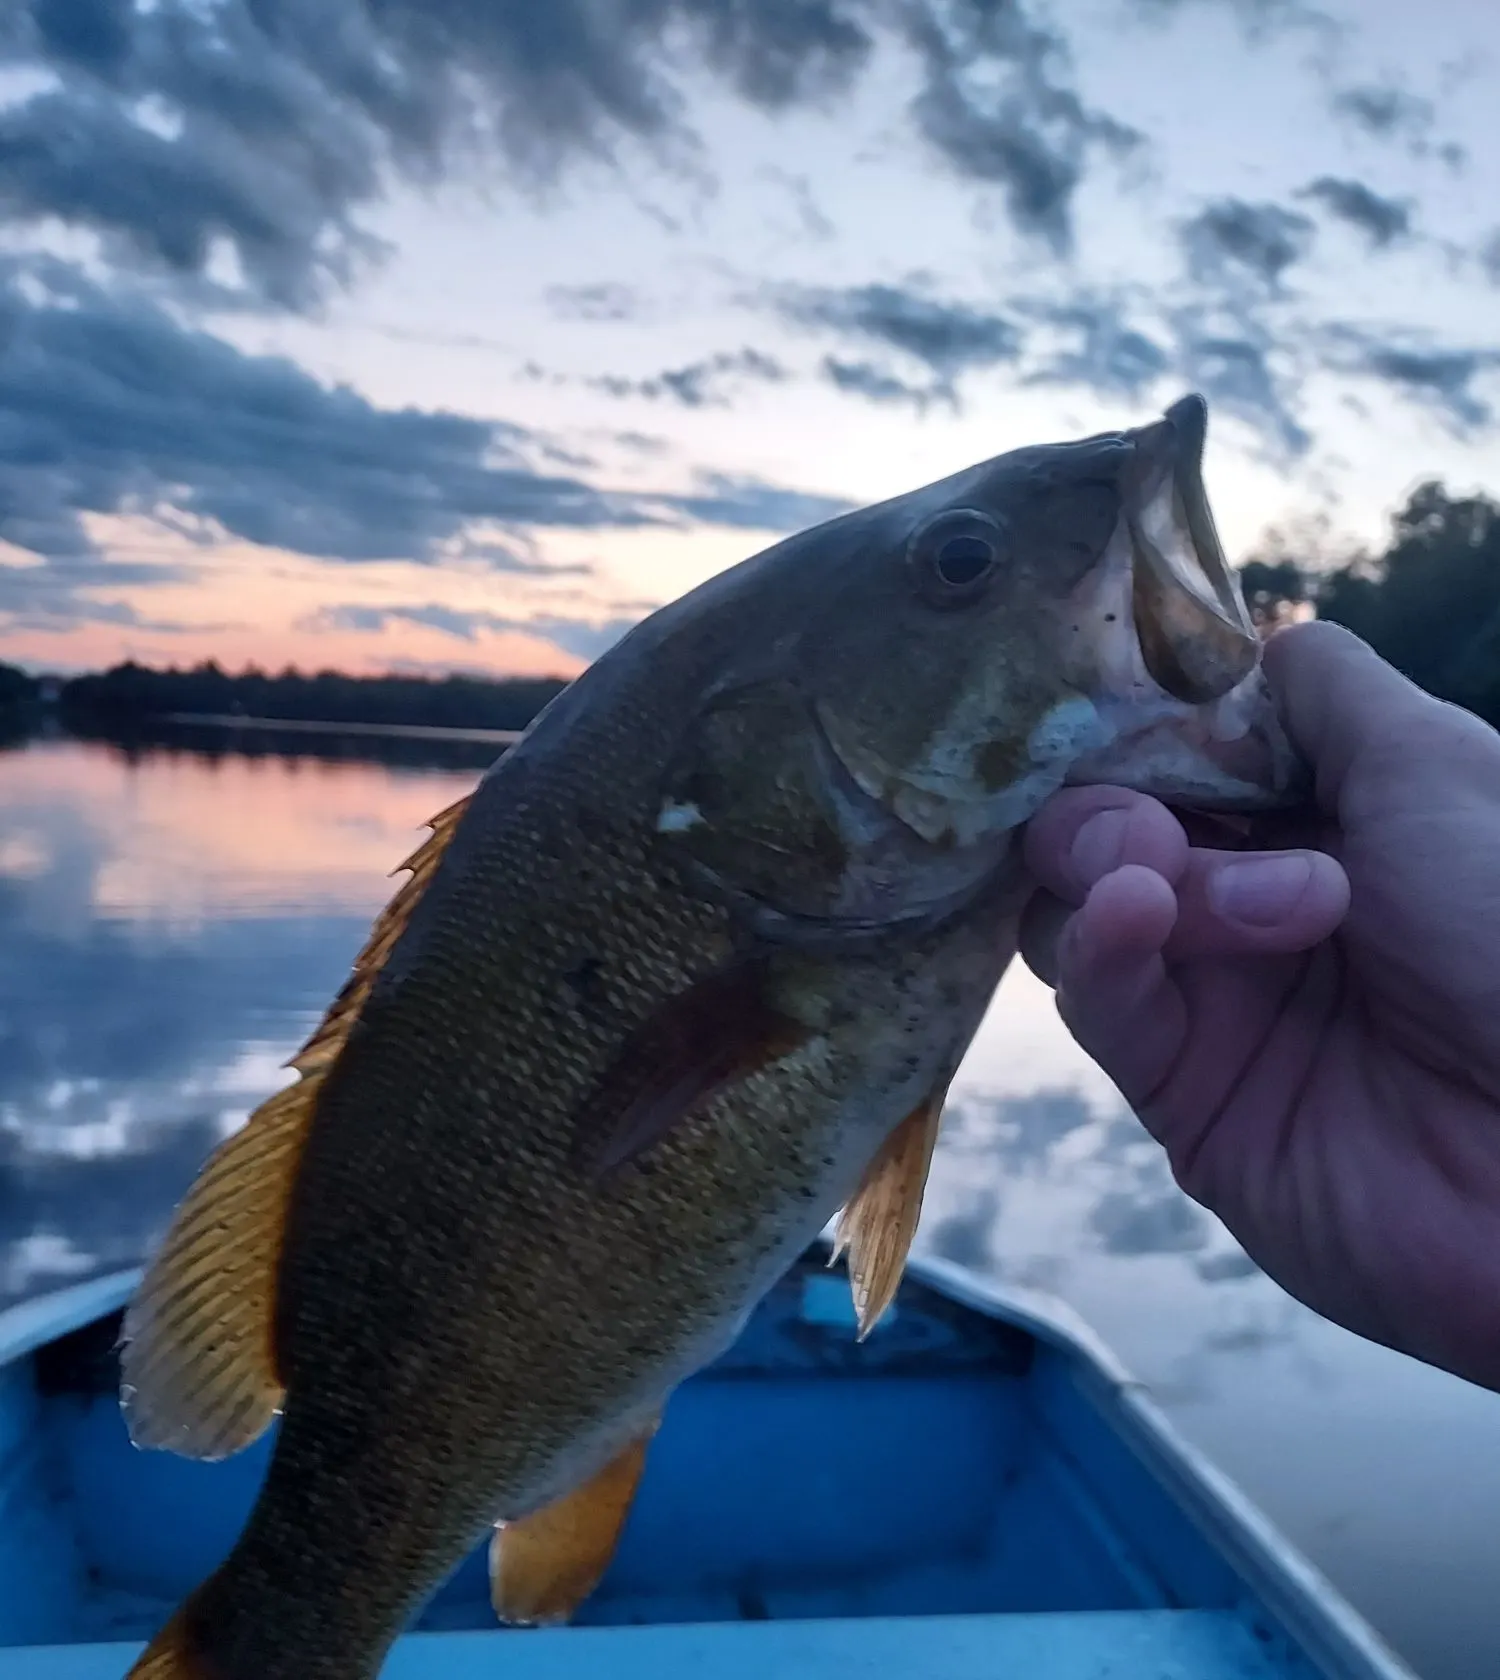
(199, 1370)
(332, 1032)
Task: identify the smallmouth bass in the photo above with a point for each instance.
(688, 973)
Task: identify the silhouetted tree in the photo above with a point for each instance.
(129, 694)
(17, 687)
(1272, 589)
(1430, 602)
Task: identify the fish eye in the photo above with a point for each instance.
(954, 556)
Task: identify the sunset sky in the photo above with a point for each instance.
(431, 334)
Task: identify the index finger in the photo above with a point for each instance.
(1081, 834)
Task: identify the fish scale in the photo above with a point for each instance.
(674, 986)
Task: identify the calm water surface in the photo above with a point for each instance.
(171, 924)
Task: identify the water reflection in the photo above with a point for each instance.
(169, 929)
(171, 921)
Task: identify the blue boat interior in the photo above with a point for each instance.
(954, 1478)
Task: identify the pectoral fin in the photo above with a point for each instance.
(544, 1566)
(721, 1029)
(198, 1367)
(880, 1219)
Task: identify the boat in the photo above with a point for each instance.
(976, 1491)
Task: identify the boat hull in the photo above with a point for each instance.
(976, 1489)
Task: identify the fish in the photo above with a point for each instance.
(688, 973)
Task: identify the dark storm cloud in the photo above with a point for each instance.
(948, 338)
(1383, 221)
(178, 131)
(701, 384)
(1439, 378)
(1230, 240)
(109, 406)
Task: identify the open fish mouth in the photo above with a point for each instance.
(1197, 639)
(1212, 737)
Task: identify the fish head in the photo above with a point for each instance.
(1061, 614)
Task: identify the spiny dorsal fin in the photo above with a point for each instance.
(543, 1566)
(198, 1367)
(880, 1219)
(333, 1030)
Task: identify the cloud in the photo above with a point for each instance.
(812, 222)
(241, 143)
(742, 502)
(605, 300)
(584, 638)
(109, 406)
(1093, 345)
(1383, 221)
(1385, 111)
(1259, 19)
(1230, 241)
(698, 384)
(1146, 1220)
(1436, 377)
(1237, 362)
(947, 338)
(998, 106)
(1393, 115)
(878, 384)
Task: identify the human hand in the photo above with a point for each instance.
(1312, 1032)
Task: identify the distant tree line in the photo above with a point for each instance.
(131, 694)
(1430, 603)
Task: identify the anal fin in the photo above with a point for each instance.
(543, 1566)
(880, 1219)
(198, 1368)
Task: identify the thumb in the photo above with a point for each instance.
(1359, 721)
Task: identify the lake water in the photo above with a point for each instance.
(171, 923)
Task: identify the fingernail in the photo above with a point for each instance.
(1259, 891)
(1099, 846)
